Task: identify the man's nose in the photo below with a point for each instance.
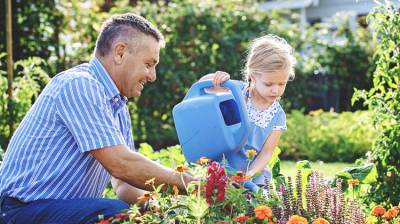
(152, 75)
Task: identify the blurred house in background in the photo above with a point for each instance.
(315, 11)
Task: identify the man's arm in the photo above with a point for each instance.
(135, 169)
(126, 192)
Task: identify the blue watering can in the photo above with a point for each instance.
(211, 124)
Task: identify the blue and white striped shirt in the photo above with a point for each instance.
(48, 156)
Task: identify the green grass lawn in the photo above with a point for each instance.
(288, 168)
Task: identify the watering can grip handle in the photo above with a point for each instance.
(198, 88)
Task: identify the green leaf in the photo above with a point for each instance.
(366, 174)
(304, 164)
(198, 206)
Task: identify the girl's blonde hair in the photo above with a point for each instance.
(269, 53)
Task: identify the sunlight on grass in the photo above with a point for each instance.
(288, 168)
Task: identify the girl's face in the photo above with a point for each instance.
(269, 86)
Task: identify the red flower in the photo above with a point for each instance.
(216, 179)
(122, 216)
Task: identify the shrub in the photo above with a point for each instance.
(327, 136)
(27, 84)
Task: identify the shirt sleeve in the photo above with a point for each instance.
(280, 122)
(82, 107)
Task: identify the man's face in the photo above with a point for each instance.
(138, 66)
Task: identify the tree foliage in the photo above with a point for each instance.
(384, 100)
(36, 26)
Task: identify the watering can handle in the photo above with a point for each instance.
(241, 134)
(197, 89)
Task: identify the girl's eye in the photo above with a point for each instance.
(268, 84)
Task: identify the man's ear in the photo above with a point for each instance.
(119, 52)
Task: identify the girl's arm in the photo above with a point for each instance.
(262, 159)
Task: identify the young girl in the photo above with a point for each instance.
(268, 68)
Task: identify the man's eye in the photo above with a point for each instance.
(148, 65)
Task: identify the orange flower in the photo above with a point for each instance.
(146, 196)
(393, 212)
(378, 210)
(398, 220)
(241, 218)
(239, 177)
(203, 160)
(353, 182)
(320, 221)
(251, 153)
(262, 212)
(180, 169)
(386, 216)
(296, 219)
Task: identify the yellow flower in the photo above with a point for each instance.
(251, 153)
(372, 220)
(203, 160)
(353, 182)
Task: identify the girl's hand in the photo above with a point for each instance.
(219, 78)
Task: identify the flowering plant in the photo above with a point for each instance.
(222, 198)
(380, 215)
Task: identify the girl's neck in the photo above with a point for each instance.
(257, 100)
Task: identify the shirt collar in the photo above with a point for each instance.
(103, 76)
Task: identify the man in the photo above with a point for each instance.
(77, 135)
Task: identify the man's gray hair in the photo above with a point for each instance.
(119, 25)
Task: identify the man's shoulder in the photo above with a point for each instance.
(81, 74)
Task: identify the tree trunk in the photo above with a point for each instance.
(10, 65)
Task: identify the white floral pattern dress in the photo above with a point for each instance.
(262, 123)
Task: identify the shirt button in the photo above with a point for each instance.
(4, 214)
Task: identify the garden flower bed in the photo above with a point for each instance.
(220, 197)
